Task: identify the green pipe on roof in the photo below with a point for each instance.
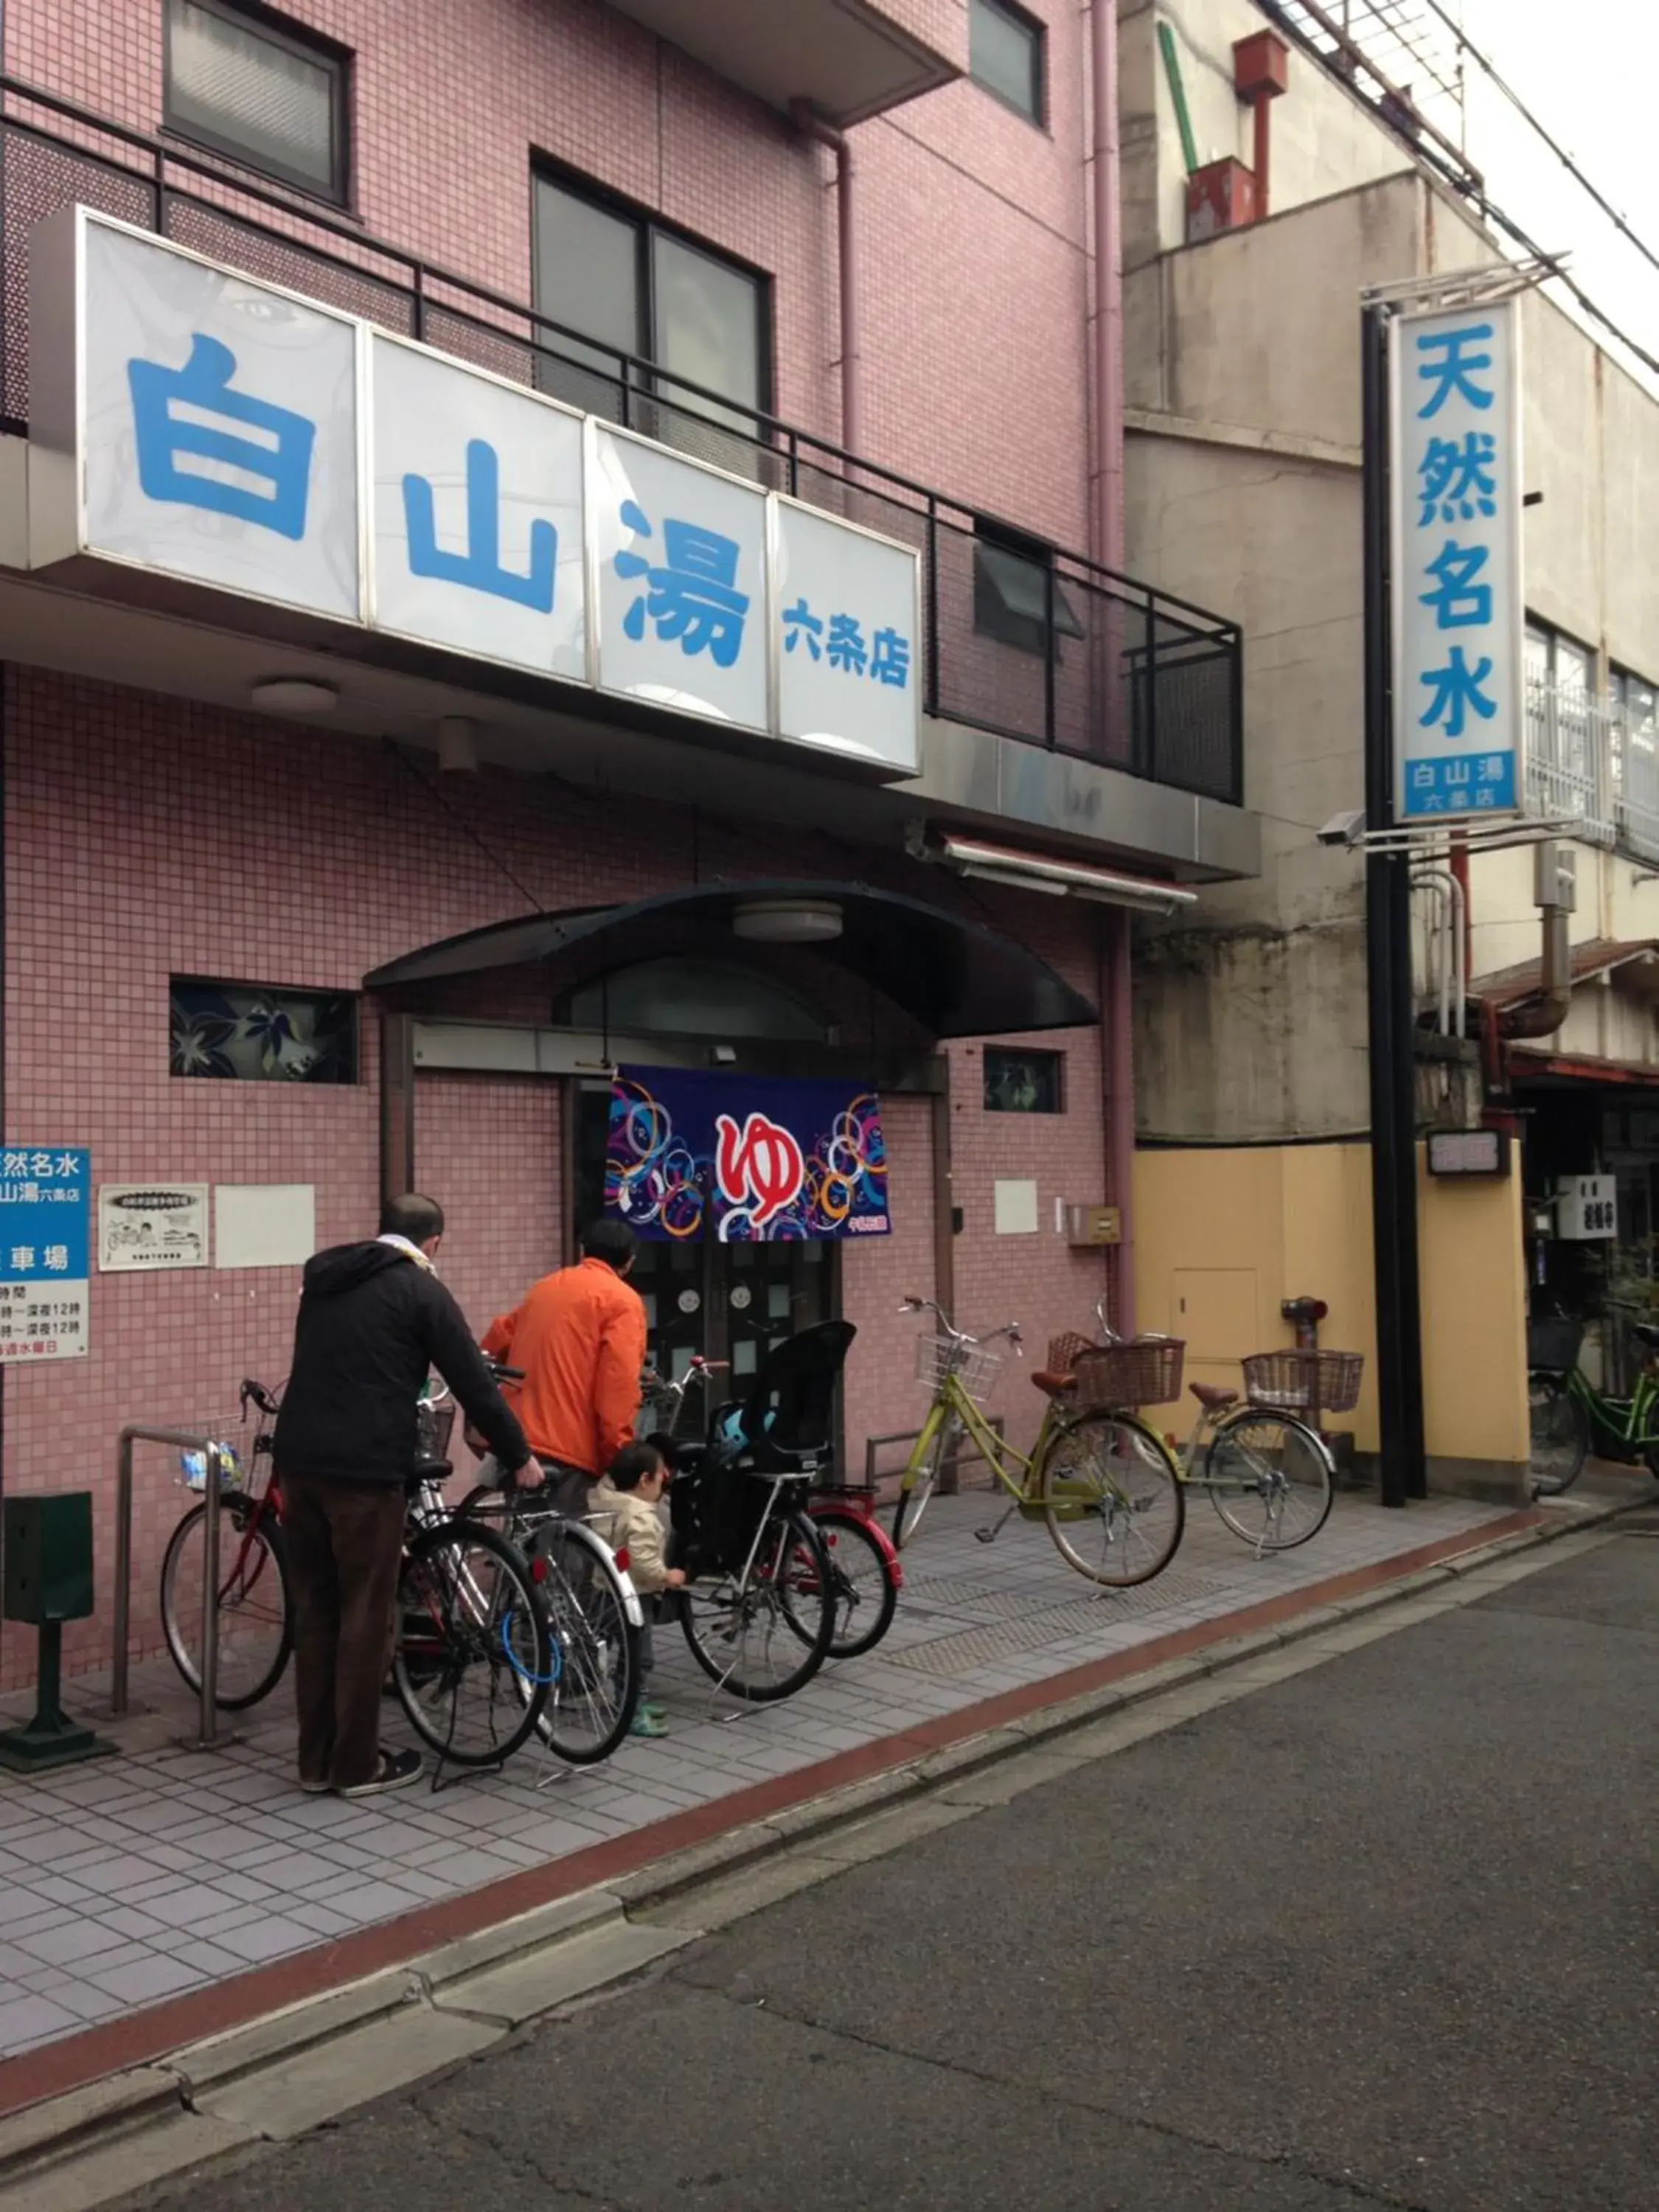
(1178, 94)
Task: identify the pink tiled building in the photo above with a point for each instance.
(858, 254)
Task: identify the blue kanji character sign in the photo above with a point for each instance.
(690, 597)
(181, 454)
(479, 568)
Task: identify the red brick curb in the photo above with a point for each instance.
(150, 2034)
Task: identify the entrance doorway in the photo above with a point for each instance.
(730, 1302)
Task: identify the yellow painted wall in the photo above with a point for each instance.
(1223, 1235)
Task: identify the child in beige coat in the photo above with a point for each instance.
(625, 1508)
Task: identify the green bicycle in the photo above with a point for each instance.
(1103, 1481)
(1569, 1416)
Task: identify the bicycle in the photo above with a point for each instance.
(1568, 1414)
(1102, 1481)
(865, 1574)
(472, 1657)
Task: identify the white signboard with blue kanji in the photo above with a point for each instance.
(1459, 620)
(219, 427)
(678, 554)
(848, 621)
(478, 513)
(45, 1213)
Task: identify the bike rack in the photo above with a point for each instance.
(208, 1738)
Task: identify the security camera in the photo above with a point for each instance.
(1345, 828)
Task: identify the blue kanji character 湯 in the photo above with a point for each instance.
(1456, 370)
(889, 663)
(692, 597)
(1459, 602)
(799, 622)
(1458, 478)
(1457, 689)
(846, 647)
(268, 444)
(479, 568)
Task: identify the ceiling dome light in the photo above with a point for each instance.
(295, 695)
(787, 922)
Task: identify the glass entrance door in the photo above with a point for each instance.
(730, 1302)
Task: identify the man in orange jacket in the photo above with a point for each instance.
(579, 1336)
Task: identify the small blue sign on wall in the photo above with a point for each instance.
(45, 1243)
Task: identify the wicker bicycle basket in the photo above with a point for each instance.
(432, 1425)
(1146, 1372)
(1304, 1382)
(973, 1367)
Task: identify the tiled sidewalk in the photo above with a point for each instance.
(141, 1878)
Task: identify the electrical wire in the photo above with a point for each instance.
(461, 823)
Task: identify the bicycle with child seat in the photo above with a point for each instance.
(865, 1574)
(1104, 1482)
(472, 1657)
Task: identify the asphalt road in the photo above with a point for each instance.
(1383, 1934)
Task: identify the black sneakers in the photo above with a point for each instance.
(397, 1770)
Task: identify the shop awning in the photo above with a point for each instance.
(955, 977)
(1638, 957)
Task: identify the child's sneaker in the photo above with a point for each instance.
(655, 1707)
(646, 1722)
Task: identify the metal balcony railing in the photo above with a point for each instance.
(1046, 648)
(1588, 762)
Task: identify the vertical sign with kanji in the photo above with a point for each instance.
(1459, 619)
(45, 1206)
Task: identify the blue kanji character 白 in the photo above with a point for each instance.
(889, 663)
(479, 568)
(1459, 602)
(846, 649)
(1458, 478)
(1456, 370)
(278, 455)
(692, 597)
(801, 623)
(1456, 689)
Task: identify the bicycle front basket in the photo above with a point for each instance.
(973, 1367)
(1553, 1343)
(1304, 1382)
(1146, 1372)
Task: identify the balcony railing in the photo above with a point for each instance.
(1051, 649)
(1586, 763)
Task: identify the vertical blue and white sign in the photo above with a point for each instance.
(679, 574)
(1459, 617)
(45, 1250)
(477, 514)
(849, 644)
(221, 428)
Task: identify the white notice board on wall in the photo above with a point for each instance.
(263, 1225)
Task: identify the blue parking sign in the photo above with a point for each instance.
(46, 1242)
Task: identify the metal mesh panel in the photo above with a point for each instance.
(40, 177)
(225, 236)
(1189, 733)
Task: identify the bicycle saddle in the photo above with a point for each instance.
(1052, 1384)
(1645, 1333)
(1212, 1396)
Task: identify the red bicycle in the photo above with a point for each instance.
(866, 1572)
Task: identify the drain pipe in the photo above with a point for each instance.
(811, 125)
(1555, 892)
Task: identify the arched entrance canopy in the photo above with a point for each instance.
(955, 977)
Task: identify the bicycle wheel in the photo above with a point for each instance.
(1271, 1478)
(592, 1700)
(863, 1596)
(762, 1632)
(912, 1501)
(1112, 1501)
(256, 1615)
(1560, 1434)
(472, 1662)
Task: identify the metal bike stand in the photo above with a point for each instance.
(208, 1736)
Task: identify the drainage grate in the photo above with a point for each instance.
(985, 1644)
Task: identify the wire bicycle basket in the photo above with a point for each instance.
(973, 1367)
(1145, 1372)
(1304, 1382)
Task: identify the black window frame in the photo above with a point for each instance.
(1037, 31)
(299, 39)
(1055, 1061)
(648, 224)
(994, 615)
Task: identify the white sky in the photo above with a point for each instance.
(1589, 69)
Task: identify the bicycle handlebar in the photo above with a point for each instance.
(1010, 1329)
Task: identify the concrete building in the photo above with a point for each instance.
(862, 258)
(1242, 407)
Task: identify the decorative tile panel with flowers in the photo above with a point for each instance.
(255, 1033)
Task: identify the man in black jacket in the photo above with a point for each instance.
(374, 1320)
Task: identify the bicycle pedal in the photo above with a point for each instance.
(984, 1535)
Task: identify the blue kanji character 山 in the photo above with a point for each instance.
(1459, 602)
(1458, 480)
(847, 646)
(692, 597)
(889, 663)
(1456, 689)
(479, 568)
(1454, 371)
(277, 456)
(801, 623)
